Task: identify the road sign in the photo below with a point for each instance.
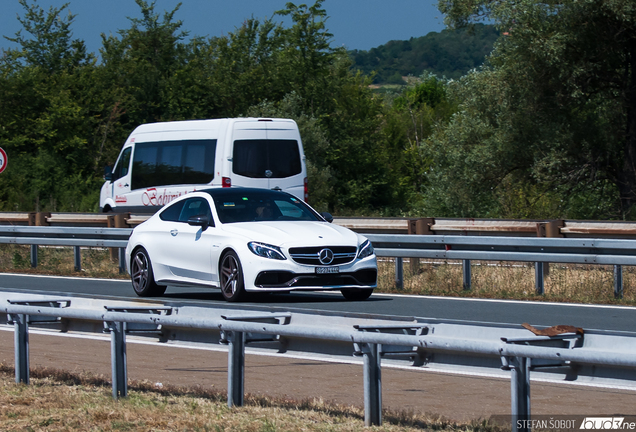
(3, 159)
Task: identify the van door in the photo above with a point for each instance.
(266, 155)
(287, 158)
(121, 178)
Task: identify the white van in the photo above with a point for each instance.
(162, 161)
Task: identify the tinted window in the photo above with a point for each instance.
(172, 213)
(258, 158)
(121, 169)
(173, 162)
(195, 207)
(257, 206)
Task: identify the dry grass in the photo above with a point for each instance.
(565, 283)
(96, 262)
(60, 401)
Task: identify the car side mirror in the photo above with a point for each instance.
(200, 220)
(327, 216)
(108, 173)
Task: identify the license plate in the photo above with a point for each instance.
(327, 270)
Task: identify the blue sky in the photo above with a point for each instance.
(356, 24)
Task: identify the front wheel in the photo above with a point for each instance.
(143, 278)
(357, 293)
(232, 286)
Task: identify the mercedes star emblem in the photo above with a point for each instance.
(326, 256)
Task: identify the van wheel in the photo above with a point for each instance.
(354, 294)
(231, 272)
(143, 278)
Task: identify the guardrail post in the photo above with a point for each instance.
(117, 220)
(39, 219)
(21, 338)
(235, 368)
(421, 226)
(34, 256)
(399, 273)
(618, 281)
(372, 384)
(466, 272)
(538, 278)
(122, 260)
(520, 393)
(118, 358)
(77, 255)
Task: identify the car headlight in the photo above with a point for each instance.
(366, 250)
(266, 251)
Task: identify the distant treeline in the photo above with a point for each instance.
(449, 54)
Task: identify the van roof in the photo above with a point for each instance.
(206, 124)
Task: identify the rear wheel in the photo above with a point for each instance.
(232, 285)
(357, 293)
(143, 278)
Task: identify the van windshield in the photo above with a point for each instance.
(263, 158)
(173, 162)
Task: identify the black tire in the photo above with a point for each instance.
(142, 276)
(231, 277)
(357, 294)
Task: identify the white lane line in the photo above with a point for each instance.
(327, 359)
(524, 302)
(65, 277)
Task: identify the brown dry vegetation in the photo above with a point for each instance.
(61, 401)
(565, 283)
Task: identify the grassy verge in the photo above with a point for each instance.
(61, 401)
(502, 280)
(565, 283)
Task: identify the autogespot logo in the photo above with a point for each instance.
(326, 256)
(598, 423)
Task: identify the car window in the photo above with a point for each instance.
(195, 207)
(172, 212)
(255, 207)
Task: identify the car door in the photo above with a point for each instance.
(187, 248)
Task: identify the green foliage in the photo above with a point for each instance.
(64, 115)
(449, 53)
(544, 130)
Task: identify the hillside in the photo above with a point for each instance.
(449, 53)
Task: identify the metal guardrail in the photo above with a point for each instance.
(424, 226)
(523, 249)
(574, 353)
(540, 250)
(76, 237)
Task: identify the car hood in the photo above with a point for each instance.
(296, 233)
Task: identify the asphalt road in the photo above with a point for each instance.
(589, 317)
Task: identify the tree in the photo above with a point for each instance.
(551, 117)
(142, 63)
(47, 116)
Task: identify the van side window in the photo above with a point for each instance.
(173, 163)
(121, 169)
(266, 158)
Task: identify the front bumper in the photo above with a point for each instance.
(272, 279)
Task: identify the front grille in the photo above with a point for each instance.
(311, 255)
(284, 279)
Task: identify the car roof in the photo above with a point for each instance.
(222, 192)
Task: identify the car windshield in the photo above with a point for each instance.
(266, 206)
